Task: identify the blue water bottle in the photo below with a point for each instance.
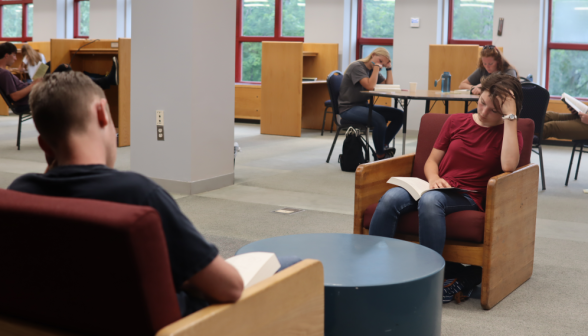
(446, 82)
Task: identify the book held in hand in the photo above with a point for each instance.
(416, 187)
(41, 71)
(255, 267)
(574, 103)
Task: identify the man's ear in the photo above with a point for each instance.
(103, 112)
(49, 155)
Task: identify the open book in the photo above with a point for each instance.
(574, 103)
(416, 187)
(41, 71)
(255, 266)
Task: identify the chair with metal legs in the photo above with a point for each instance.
(583, 145)
(24, 114)
(334, 84)
(328, 105)
(535, 102)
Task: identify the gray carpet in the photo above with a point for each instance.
(274, 172)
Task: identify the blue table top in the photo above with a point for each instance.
(351, 260)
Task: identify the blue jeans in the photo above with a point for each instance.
(433, 206)
(380, 116)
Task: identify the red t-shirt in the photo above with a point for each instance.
(472, 154)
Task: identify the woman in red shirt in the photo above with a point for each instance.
(471, 149)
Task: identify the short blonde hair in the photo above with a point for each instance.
(60, 102)
(379, 51)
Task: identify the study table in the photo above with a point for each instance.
(406, 96)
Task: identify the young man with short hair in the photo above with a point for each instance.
(78, 137)
(19, 91)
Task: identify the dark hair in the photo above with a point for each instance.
(501, 86)
(60, 102)
(7, 48)
(491, 51)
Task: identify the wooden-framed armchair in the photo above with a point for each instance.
(86, 267)
(501, 240)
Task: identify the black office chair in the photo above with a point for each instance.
(582, 144)
(24, 114)
(535, 102)
(328, 105)
(528, 79)
(334, 85)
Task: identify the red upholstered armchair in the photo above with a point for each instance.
(501, 240)
(85, 267)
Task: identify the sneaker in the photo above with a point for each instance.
(450, 288)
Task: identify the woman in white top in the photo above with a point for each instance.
(31, 60)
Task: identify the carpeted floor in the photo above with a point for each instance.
(273, 172)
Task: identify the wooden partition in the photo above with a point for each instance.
(460, 61)
(42, 47)
(96, 58)
(248, 101)
(288, 104)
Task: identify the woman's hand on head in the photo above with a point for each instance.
(477, 90)
(509, 106)
(389, 64)
(439, 183)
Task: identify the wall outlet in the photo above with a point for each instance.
(160, 136)
(114, 45)
(159, 118)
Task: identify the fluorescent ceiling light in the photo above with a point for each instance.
(475, 5)
(301, 4)
(255, 5)
(581, 8)
(255, 0)
(492, 1)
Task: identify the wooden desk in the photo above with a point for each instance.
(426, 95)
(287, 103)
(97, 58)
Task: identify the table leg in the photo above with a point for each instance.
(395, 102)
(467, 104)
(447, 107)
(367, 135)
(404, 125)
(427, 105)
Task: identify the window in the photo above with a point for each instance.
(567, 48)
(375, 26)
(81, 18)
(471, 21)
(17, 20)
(264, 20)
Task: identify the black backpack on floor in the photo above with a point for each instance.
(353, 150)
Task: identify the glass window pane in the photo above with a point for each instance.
(367, 49)
(293, 17)
(84, 17)
(30, 8)
(473, 20)
(251, 66)
(378, 18)
(569, 21)
(568, 72)
(258, 17)
(12, 21)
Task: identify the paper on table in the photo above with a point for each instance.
(255, 266)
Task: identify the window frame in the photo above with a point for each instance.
(558, 46)
(240, 38)
(76, 33)
(24, 37)
(361, 41)
(451, 40)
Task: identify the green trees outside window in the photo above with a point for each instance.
(84, 18)
(378, 19)
(12, 21)
(293, 17)
(473, 20)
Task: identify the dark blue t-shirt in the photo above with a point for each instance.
(188, 251)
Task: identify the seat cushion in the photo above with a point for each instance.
(465, 226)
(328, 103)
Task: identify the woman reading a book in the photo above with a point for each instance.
(31, 60)
(572, 126)
(470, 149)
(491, 61)
(363, 75)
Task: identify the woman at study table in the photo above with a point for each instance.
(31, 60)
(363, 75)
(490, 61)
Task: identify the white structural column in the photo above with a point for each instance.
(522, 34)
(411, 48)
(52, 19)
(196, 91)
(330, 21)
(108, 18)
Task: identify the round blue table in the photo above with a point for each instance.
(373, 285)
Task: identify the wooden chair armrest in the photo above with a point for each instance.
(509, 232)
(370, 183)
(288, 303)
